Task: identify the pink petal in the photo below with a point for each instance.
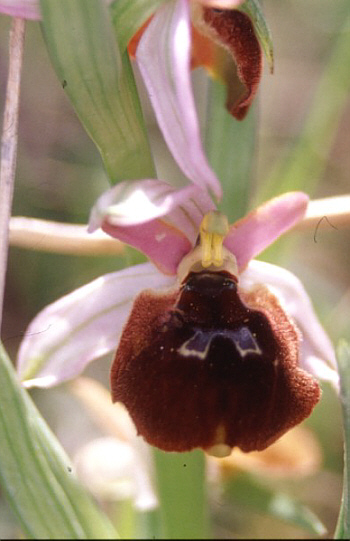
(131, 212)
(163, 56)
(26, 9)
(139, 201)
(317, 352)
(161, 242)
(261, 227)
(81, 326)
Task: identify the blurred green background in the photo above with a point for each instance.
(60, 175)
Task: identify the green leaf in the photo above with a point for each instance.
(253, 9)
(36, 475)
(182, 497)
(98, 80)
(129, 16)
(230, 146)
(245, 490)
(343, 525)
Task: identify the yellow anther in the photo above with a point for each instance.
(206, 239)
(213, 229)
(217, 241)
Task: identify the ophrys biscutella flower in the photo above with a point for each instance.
(218, 303)
(213, 301)
(222, 352)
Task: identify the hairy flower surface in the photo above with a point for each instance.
(295, 454)
(209, 365)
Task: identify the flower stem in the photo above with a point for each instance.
(61, 238)
(9, 144)
(182, 494)
(336, 210)
(343, 525)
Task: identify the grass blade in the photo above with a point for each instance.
(343, 525)
(230, 146)
(36, 474)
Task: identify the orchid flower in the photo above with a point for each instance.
(170, 333)
(259, 314)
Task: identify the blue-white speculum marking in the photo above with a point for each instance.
(200, 343)
(207, 364)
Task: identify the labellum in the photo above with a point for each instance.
(209, 365)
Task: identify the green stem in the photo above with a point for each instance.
(182, 494)
(9, 144)
(343, 525)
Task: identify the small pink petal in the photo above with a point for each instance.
(139, 201)
(163, 56)
(261, 227)
(317, 352)
(161, 242)
(132, 212)
(25, 9)
(81, 326)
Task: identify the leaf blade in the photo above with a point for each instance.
(128, 17)
(98, 80)
(47, 499)
(262, 499)
(230, 145)
(253, 9)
